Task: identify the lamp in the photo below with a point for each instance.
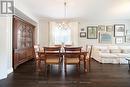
(64, 24)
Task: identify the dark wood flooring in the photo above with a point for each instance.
(101, 75)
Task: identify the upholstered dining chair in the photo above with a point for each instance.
(52, 56)
(38, 57)
(36, 49)
(82, 56)
(72, 56)
(88, 57)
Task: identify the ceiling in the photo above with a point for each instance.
(83, 9)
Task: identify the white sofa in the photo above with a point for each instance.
(111, 54)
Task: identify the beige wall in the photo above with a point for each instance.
(43, 33)
(44, 37)
(5, 46)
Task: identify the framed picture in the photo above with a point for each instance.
(127, 39)
(92, 32)
(105, 37)
(82, 34)
(109, 28)
(101, 28)
(127, 36)
(119, 30)
(119, 40)
(82, 29)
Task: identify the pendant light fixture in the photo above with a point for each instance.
(64, 24)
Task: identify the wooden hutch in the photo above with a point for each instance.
(23, 41)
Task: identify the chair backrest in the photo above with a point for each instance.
(68, 45)
(52, 52)
(36, 49)
(89, 51)
(58, 45)
(74, 52)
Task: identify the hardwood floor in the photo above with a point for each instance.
(101, 75)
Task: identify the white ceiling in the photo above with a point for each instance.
(83, 9)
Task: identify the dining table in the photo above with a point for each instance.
(62, 53)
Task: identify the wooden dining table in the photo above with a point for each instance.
(83, 53)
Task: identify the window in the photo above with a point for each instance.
(61, 35)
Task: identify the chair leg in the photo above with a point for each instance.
(78, 67)
(45, 69)
(65, 67)
(37, 65)
(59, 67)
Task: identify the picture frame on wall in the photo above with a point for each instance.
(92, 32)
(119, 30)
(82, 29)
(127, 36)
(127, 39)
(120, 40)
(105, 38)
(82, 34)
(109, 28)
(101, 28)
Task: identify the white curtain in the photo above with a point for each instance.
(59, 36)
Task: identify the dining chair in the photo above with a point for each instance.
(88, 57)
(36, 49)
(68, 45)
(72, 56)
(82, 56)
(38, 57)
(58, 45)
(52, 56)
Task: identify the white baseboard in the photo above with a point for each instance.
(10, 71)
(3, 76)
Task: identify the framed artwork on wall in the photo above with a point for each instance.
(127, 36)
(82, 34)
(82, 29)
(119, 30)
(109, 28)
(120, 40)
(92, 32)
(127, 39)
(101, 28)
(105, 37)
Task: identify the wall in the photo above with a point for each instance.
(43, 33)
(6, 36)
(19, 5)
(5, 46)
(84, 24)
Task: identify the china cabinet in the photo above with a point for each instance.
(23, 41)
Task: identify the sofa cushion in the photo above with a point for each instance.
(125, 50)
(105, 50)
(108, 55)
(115, 51)
(123, 55)
(113, 47)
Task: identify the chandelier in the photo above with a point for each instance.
(64, 24)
